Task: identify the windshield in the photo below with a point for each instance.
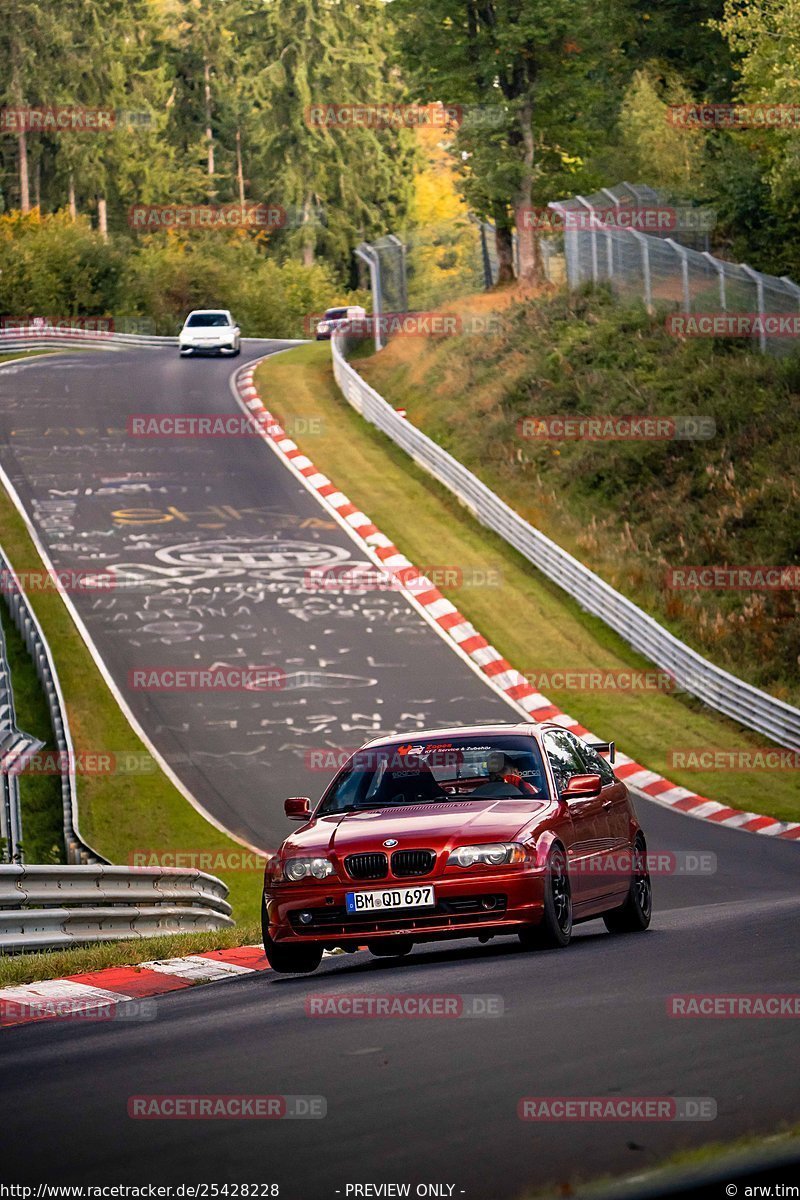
(436, 771)
(204, 319)
(334, 314)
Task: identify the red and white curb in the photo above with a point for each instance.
(466, 639)
(102, 995)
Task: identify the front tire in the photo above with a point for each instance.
(554, 931)
(287, 959)
(634, 915)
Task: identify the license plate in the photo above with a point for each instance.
(388, 899)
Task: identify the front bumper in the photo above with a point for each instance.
(490, 901)
(212, 347)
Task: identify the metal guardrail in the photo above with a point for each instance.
(50, 907)
(11, 341)
(15, 749)
(36, 644)
(747, 705)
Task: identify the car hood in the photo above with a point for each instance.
(429, 826)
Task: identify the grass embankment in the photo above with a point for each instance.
(631, 510)
(119, 812)
(528, 619)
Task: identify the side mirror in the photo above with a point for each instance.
(298, 808)
(582, 787)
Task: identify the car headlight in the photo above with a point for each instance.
(494, 854)
(307, 868)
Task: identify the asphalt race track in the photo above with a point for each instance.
(211, 541)
(409, 1101)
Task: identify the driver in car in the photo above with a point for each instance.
(503, 775)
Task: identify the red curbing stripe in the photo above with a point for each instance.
(471, 644)
(724, 815)
(758, 823)
(497, 667)
(688, 803)
(432, 596)
(450, 620)
(658, 786)
(626, 769)
(791, 833)
(240, 956)
(131, 981)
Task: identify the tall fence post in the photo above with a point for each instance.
(792, 287)
(401, 250)
(719, 267)
(684, 257)
(644, 246)
(758, 279)
(368, 255)
(593, 231)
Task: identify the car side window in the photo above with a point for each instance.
(596, 764)
(564, 757)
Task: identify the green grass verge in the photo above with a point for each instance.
(119, 813)
(530, 621)
(630, 509)
(683, 1167)
(40, 795)
(55, 964)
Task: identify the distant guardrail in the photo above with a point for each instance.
(25, 620)
(48, 339)
(52, 907)
(747, 705)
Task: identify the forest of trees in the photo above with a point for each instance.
(211, 103)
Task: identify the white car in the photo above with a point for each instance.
(333, 318)
(209, 330)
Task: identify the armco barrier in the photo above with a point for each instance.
(717, 688)
(47, 907)
(12, 341)
(36, 644)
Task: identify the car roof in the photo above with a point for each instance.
(207, 312)
(518, 727)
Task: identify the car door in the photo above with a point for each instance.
(589, 820)
(616, 805)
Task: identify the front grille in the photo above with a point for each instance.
(366, 866)
(413, 862)
(447, 914)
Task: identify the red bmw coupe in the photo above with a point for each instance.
(476, 831)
